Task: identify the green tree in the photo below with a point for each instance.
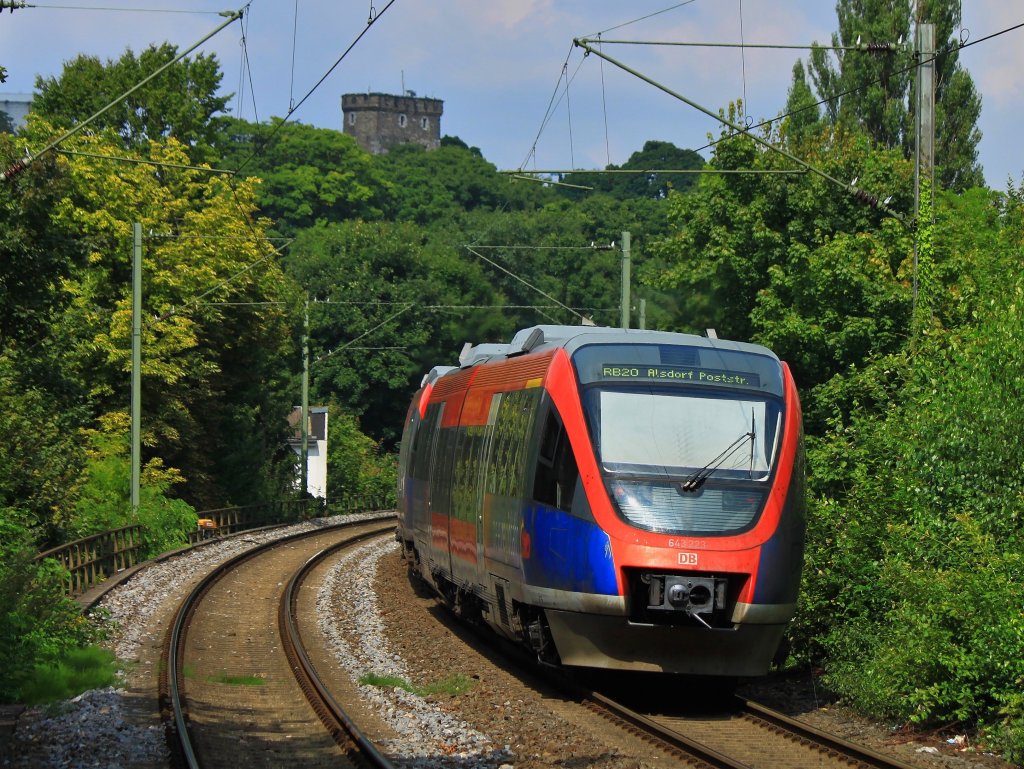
(655, 156)
(309, 175)
(38, 623)
(874, 92)
(37, 251)
(182, 102)
(104, 499)
(738, 234)
(357, 468)
(802, 108)
(368, 329)
(430, 187)
(203, 359)
(916, 502)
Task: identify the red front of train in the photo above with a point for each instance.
(614, 499)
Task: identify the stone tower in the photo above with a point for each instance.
(379, 121)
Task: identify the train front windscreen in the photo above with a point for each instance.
(686, 437)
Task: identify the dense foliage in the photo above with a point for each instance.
(912, 594)
(873, 90)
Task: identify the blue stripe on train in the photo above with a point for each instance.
(567, 553)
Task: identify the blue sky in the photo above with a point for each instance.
(496, 64)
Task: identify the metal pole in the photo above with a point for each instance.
(304, 460)
(625, 279)
(643, 314)
(136, 415)
(924, 146)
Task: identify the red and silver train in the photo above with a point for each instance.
(612, 498)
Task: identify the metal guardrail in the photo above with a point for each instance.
(93, 559)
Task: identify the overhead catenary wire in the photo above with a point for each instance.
(175, 310)
(291, 82)
(604, 112)
(293, 108)
(599, 39)
(549, 112)
(642, 18)
(863, 86)
(19, 166)
(145, 161)
(525, 282)
(248, 69)
(862, 195)
(861, 47)
(743, 66)
(384, 322)
(121, 10)
(517, 173)
(568, 113)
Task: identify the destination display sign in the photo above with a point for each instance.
(682, 374)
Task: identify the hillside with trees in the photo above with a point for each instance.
(912, 591)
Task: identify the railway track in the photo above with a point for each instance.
(740, 735)
(238, 686)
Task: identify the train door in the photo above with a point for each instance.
(418, 492)
(440, 502)
(436, 515)
(484, 499)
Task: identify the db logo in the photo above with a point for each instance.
(687, 559)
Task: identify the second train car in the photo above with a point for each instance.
(612, 498)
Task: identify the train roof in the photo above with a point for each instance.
(547, 337)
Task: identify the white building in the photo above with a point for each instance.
(316, 468)
(16, 105)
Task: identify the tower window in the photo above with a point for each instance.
(351, 118)
(402, 120)
(424, 123)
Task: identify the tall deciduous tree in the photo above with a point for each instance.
(875, 91)
(309, 175)
(215, 326)
(181, 102)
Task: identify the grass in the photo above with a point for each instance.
(78, 671)
(456, 683)
(224, 678)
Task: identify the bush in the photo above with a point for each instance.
(913, 593)
(104, 501)
(38, 624)
(946, 650)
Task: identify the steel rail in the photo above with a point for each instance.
(683, 746)
(342, 729)
(172, 674)
(813, 736)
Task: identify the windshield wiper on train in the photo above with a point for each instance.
(694, 481)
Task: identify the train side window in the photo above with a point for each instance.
(554, 479)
